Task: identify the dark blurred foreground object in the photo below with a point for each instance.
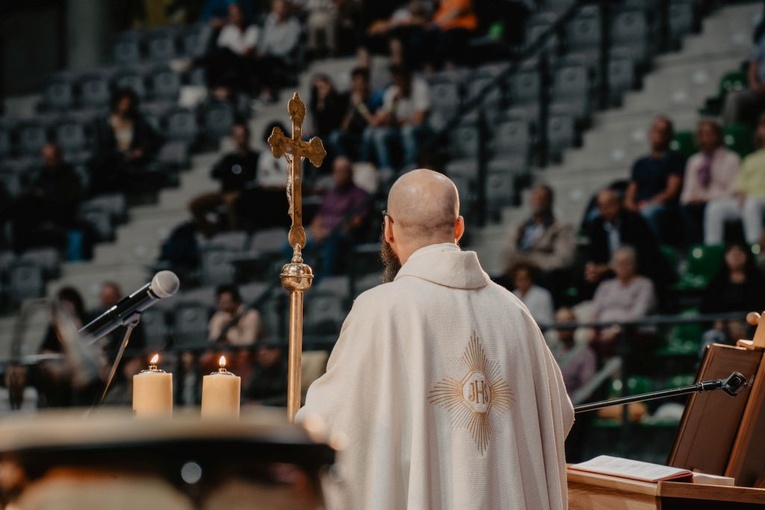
(110, 460)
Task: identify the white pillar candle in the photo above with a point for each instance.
(220, 393)
(153, 391)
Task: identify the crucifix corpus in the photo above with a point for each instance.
(296, 277)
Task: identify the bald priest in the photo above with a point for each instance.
(441, 384)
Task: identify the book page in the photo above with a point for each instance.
(633, 469)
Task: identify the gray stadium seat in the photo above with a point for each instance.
(71, 136)
(11, 179)
(6, 144)
(216, 265)
(339, 285)
(33, 135)
(197, 77)
(175, 153)
(571, 87)
(324, 313)
(165, 85)
(583, 32)
(26, 280)
(512, 137)
(252, 292)
(95, 92)
(681, 19)
(182, 125)
(134, 80)
(500, 190)
(155, 329)
(561, 134)
(621, 77)
(465, 142)
(629, 30)
(493, 98)
(100, 219)
(218, 118)
(115, 203)
(161, 47)
(47, 258)
(268, 241)
(127, 52)
(196, 40)
(59, 95)
(191, 324)
(233, 241)
(445, 100)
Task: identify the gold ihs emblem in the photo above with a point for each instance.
(471, 399)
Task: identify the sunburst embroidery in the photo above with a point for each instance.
(471, 399)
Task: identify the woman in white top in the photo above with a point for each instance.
(229, 67)
(537, 299)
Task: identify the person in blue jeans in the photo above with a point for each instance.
(656, 179)
(402, 120)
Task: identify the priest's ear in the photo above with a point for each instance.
(459, 228)
(387, 229)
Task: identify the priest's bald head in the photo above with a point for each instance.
(423, 209)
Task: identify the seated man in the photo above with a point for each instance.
(402, 119)
(268, 382)
(746, 106)
(275, 55)
(614, 228)
(656, 179)
(707, 198)
(340, 215)
(363, 104)
(43, 215)
(235, 171)
(542, 240)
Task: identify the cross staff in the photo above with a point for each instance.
(296, 276)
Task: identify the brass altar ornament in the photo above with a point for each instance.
(296, 276)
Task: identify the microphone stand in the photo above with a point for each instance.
(130, 323)
(732, 385)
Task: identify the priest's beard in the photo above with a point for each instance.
(390, 260)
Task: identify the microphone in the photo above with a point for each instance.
(164, 284)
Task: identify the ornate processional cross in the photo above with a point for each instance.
(296, 277)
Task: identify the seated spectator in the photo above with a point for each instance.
(229, 65)
(577, 360)
(402, 119)
(537, 299)
(542, 240)
(327, 106)
(453, 23)
(268, 382)
(339, 218)
(737, 287)
(321, 25)
(216, 12)
(626, 297)
(656, 179)
(749, 187)
(362, 105)
(276, 53)
(55, 375)
(17, 395)
(234, 323)
(617, 227)
(109, 295)
(746, 106)
(121, 392)
(43, 215)
(708, 186)
(235, 171)
(397, 35)
(125, 145)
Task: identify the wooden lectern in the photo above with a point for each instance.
(718, 435)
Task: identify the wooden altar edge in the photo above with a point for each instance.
(590, 491)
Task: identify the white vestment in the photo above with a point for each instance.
(447, 395)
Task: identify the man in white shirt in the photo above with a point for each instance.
(402, 119)
(441, 387)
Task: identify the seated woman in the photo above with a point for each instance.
(125, 145)
(738, 287)
(626, 297)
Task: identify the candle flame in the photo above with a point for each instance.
(154, 359)
(222, 362)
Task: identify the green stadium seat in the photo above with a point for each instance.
(684, 142)
(702, 264)
(739, 139)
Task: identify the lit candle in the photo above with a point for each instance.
(153, 391)
(220, 392)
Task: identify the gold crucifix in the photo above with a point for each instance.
(296, 277)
